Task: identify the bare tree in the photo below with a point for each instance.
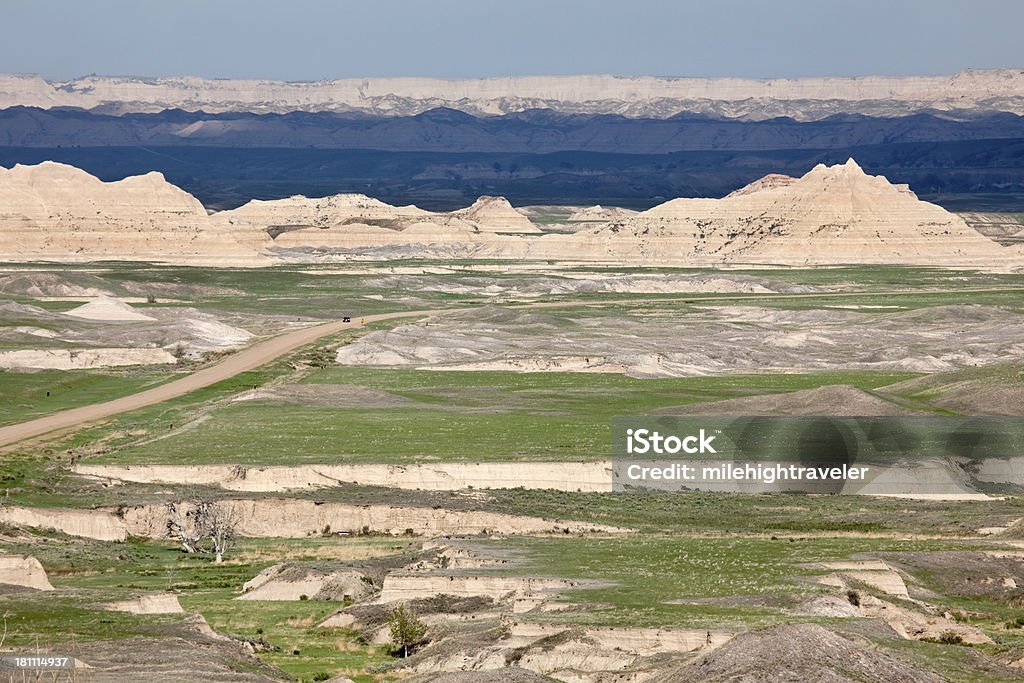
(183, 524)
(221, 523)
(195, 521)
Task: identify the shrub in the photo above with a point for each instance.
(951, 638)
(407, 632)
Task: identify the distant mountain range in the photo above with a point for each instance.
(630, 142)
(452, 131)
(642, 96)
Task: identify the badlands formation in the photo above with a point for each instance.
(832, 215)
(58, 212)
(805, 98)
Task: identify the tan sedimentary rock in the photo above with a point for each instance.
(305, 212)
(98, 524)
(57, 212)
(287, 518)
(561, 476)
(598, 213)
(768, 182)
(399, 587)
(831, 215)
(299, 518)
(26, 571)
(82, 359)
(495, 214)
(279, 583)
(154, 603)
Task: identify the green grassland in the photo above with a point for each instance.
(24, 394)
(731, 561)
(456, 416)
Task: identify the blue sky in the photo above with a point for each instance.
(315, 39)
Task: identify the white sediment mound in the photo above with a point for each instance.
(284, 582)
(57, 212)
(496, 214)
(98, 524)
(154, 603)
(599, 214)
(80, 359)
(832, 215)
(874, 573)
(212, 333)
(108, 309)
(297, 212)
(26, 571)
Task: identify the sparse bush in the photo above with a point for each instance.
(151, 298)
(951, 638)
(322, 676)
(853, 597)
(179, 353)
(303, 597)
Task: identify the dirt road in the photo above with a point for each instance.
(263, 352)
(250, 358)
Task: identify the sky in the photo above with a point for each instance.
(301, 40)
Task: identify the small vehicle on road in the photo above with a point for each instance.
(346, 318)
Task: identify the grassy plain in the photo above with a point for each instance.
(459, 416)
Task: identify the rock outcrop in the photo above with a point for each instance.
(26, 572)
(599, 214)
(832, 215)
(284, 582)
(57, 212)
(154, 603)
(495, 214)
(451, 476)
(97, 524)
(83, 358)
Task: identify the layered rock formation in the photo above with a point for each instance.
(58, 212)
(805, 98)
(495, 214)
(831, 215)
